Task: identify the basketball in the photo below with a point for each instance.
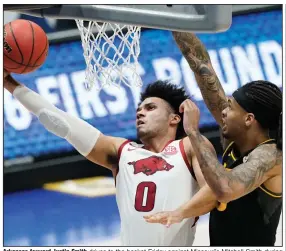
(25, 46)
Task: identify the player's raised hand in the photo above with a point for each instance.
(9, 83)
(166, 218)
(5, 74)
(191, 115)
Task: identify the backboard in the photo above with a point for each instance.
(192, 18)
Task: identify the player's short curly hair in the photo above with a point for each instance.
(172, 94)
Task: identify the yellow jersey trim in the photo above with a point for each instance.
(229, 145)
(232, 155)
(269, 193)
(266, 141)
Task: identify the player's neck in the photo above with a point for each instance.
(157, 144)
(247, 142)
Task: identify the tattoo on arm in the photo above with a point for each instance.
(208, 82)
(205, 156)
(242, 179)
(279, 157)
(193, 50)
(251, 174)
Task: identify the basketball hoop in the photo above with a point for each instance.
(111, 54)
(111, 50)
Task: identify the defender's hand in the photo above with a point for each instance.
(166, 218)
(191, 115)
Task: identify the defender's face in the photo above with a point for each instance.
(152, 117)
(233, 118)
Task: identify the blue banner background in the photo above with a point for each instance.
(48, 218)
(249, 50)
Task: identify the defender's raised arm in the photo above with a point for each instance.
(198, 58)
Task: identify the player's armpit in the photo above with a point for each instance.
(105, 151)
(262, 163)
(199, 61)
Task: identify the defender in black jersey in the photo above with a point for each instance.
(251, 220)
(248, 182)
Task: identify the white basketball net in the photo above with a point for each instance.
(111, 55)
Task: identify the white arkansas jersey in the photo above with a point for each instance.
(149, 182)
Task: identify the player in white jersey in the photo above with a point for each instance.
(149, 181)
(156, 176)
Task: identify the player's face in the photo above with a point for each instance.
(152, 117)
(233, 120)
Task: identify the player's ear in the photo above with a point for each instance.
(175, 119)
(249, 119)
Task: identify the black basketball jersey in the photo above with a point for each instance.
(251, 220)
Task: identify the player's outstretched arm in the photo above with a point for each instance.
(202, 202)
(199, 61)
(86, 139)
